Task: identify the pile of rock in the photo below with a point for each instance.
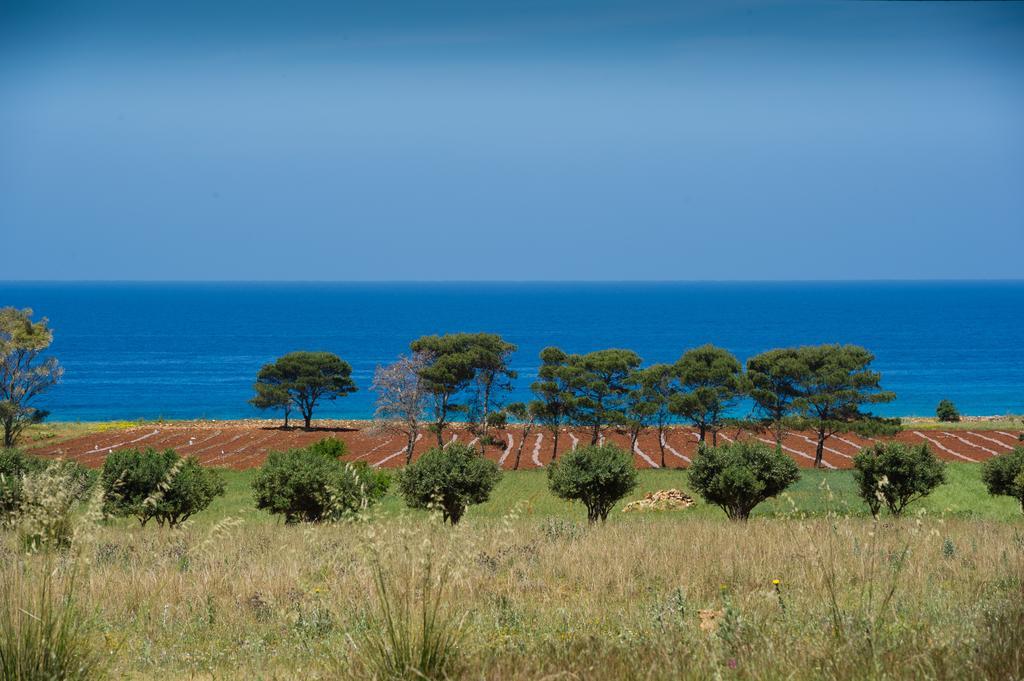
(662, 500)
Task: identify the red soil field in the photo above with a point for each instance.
(244, 444)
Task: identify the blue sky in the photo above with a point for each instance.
(530, 140)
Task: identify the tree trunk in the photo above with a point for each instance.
(410, 445)
(287, 413)
(596, 434)
(661, 445)
(820, 452)
(554, 452)
(714, 437)
(308, 418)
(703, 430)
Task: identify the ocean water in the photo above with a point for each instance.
(187, 350)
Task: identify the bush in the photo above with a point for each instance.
(738, 476)
(896, 474)
(451, 477)
(947, 412)
(70, 478)
(597, 475)
(14, 466)
(161, 485)
(312, 484)
(1004, 475)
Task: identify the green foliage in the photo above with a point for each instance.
(313, 484)
(150, 485)
(24, 373)
(712, 382)
(68, 480)
(834, 382)
(304, 378)
(600, 382)
(896, 474)
(947, 412)
(738, 476)
(1004, 475)
(450, 478)
(14, 466)
(49, 499)
(43, 636)
(556, 402)
(773, 378)
(456, 362)
(598, 475)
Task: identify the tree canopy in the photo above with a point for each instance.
(306, 378)
(24, 373)
(600, 382)
(457, 362)
(712, 382)
(834, 381)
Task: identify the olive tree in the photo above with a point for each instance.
(449, 478)
(306, 378)
(896, 474)
(597, 475)
(157, 485)
(1004, 475)
(313, 484)
(24, 373)
(738, 476)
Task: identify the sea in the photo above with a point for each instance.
(191, 350)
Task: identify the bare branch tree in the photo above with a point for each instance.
(402, 397)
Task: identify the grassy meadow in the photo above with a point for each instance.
(523, 589)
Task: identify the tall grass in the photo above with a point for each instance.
(412, 635)
(42, 634)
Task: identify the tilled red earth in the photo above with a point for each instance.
(244, 444)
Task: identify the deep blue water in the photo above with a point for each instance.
(181, 350)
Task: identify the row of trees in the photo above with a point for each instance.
(467, 374)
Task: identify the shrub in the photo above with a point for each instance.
(896, 474)
(738, 476)
(48, 500)
(162, 485)
(947, 412)
(312, 484)
(14, 466)
(1004, 475)
(597, 475)
(71, 479)
(451, 478)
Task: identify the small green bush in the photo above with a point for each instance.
(738, 476)
(451, 478)
(157, 485)
(896, 474)
(947, 412)
(1004, 475)
(312, 484)
(597, 475)
(69, 481)
(14, 466)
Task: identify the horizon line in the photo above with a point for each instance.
(518, 281)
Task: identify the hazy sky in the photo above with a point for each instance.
(535, 140)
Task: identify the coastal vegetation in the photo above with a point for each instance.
(24, 373)
(301, 380)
